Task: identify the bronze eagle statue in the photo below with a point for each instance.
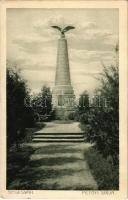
(63, 30)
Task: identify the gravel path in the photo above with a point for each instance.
(56, 166)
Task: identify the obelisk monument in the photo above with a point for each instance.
(63, 94)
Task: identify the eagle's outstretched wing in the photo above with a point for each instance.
(57, 27)
(67, 28)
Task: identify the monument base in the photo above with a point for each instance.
(63, 113)
(63, 101)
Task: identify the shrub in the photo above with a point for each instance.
(101, 121)
(84, 118)
(71, 116)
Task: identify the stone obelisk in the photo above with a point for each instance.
(63, 94)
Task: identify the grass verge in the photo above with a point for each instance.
(105, 173)
(16, 160)
(19, 158)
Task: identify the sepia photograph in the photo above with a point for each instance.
(63, 129)
(62, 99)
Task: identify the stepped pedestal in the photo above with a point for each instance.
(59, 132)
(54, 137)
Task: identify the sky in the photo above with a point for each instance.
(32, 44)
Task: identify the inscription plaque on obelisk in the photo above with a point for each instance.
(63, 94)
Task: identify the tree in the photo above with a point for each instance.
(42, 102)
(18, 115)
(84, 102)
